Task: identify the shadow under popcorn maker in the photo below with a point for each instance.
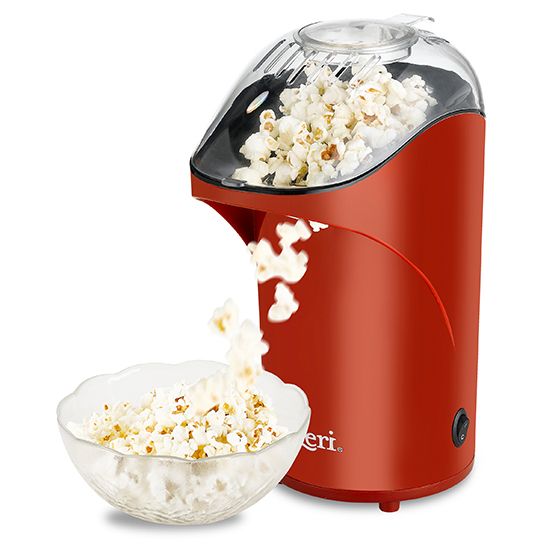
(385, 339)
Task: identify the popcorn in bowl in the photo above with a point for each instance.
(195, 452)
(167, 422)
(217, 415)
(328, 127)
(199, 441)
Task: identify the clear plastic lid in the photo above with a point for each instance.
(328, 103)
(362, 37)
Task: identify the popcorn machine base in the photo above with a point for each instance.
(389, 501)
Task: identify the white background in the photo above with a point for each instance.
(106, 260)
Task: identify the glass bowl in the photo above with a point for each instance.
(173, 490)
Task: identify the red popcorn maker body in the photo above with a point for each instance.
(385, 341)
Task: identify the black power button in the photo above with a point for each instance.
(460, 428)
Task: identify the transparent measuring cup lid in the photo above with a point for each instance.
(368, 37)
(388, 79)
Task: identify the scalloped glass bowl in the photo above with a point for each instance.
(170, 489)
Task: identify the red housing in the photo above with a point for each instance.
(385, 340)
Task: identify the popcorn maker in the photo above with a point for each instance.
(376, 129)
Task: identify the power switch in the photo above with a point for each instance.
(460, 427)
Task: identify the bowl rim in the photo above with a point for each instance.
(174, 458)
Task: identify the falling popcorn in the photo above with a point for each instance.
(225, 319)
(329, 127)
(209, 391)
(317, 226)
(217, 415)
(244, 356)
(284, 306)
(290, 233)
(288, 265)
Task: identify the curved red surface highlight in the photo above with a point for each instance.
(427, 281)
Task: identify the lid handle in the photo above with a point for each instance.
(409, 19)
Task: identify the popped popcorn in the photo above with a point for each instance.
(290, 233)
(166, 422)
(165, 489)
(289, 264)
(285, 304)
(317, 226)
(244, 356)
(225, 319)
(217, 415)
(329, 127)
